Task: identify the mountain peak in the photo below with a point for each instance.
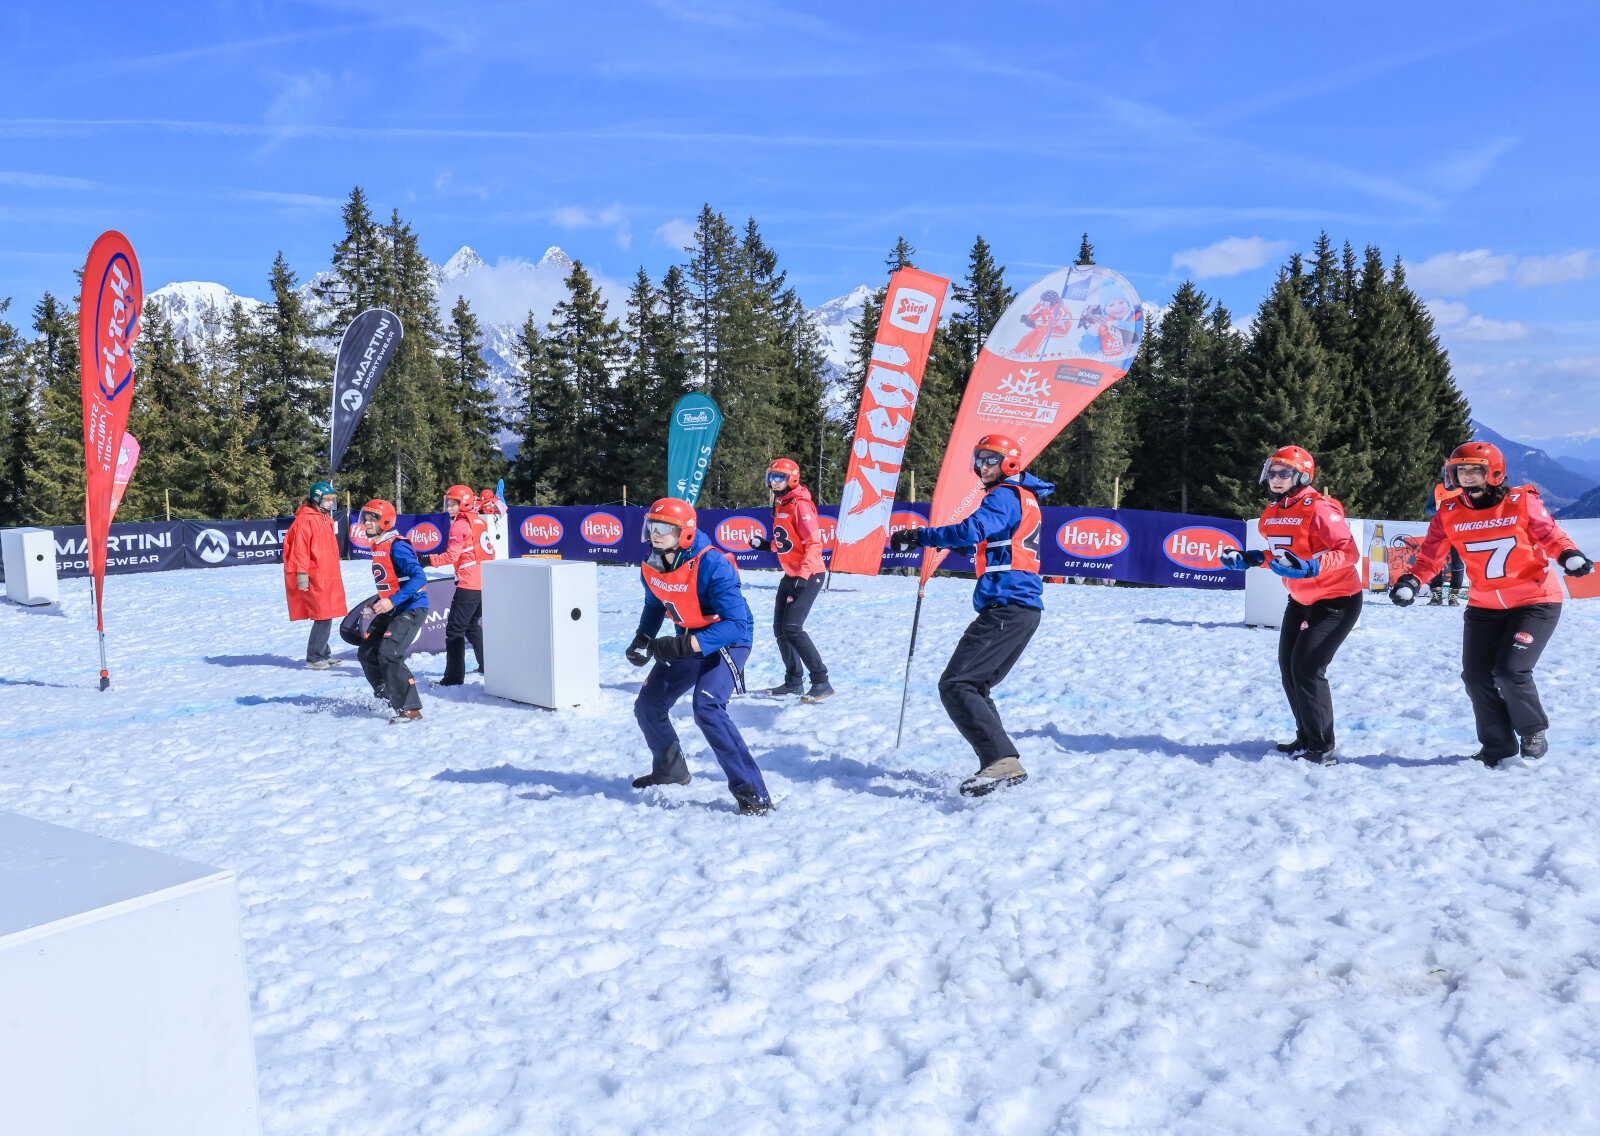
(554, 257)
(459, 265)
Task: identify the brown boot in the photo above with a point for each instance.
(996, 775)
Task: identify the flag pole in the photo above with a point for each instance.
(100, 628)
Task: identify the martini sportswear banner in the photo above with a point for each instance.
(1061, 343)
(888, 400)
(364, 351)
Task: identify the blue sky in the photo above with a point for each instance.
(1193, 139)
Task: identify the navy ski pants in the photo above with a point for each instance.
(712, 681)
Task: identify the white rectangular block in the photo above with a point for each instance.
(30, 562)
(541, 631)
(1263, 594)
(123, 1006)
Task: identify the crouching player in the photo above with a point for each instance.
(397, 616)
(688, 578)
(1513, 600)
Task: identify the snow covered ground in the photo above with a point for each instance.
(473, 925)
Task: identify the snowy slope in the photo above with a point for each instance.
(473, 925)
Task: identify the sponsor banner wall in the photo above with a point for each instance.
(431, 638)
(427, 532)
(224, 544)
(132, 547)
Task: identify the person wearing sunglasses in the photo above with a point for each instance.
(1003, 536)
(797, 543)
(687, 578)
(1507, 540)
(1309, 545)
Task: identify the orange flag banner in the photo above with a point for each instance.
(888, 400)
(1062, 342)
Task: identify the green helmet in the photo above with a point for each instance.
(319, 490)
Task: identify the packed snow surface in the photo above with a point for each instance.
(474, 925)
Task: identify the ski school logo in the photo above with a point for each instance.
(911, 310)
(1523, 637)
(425, 537)
(212, 545)
(1197, 547)
(734, 533)
(1091, 537)
(602, 528)
(541, 530)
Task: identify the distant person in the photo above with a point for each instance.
(311, 571)
(1004, 534)
(1310, 546)
(797, 543)
(397, 616)
(1451, 589)
(1514, 601)
(687, 578)
(463, 552)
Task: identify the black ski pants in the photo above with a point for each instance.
(317, 642)
(464, 625)
(1456, 569)
(988, 650)
(383, 656)
(796, 594)
(1499, 649)
(1307, 641)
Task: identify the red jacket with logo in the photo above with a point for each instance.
(1506, 549)
(463, 551)
(312, 546)
(1309, 524)
(796, 533)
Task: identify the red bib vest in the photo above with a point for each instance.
(1023, 542)
(1505, 565)
(679, 592)
(383, 573)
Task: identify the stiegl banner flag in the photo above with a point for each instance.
(1061, 344)
(888, 400)
(108, 322)
(364, 351)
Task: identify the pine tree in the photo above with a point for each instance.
(585, 351)
(471, 420)
(17, 435)
(711, 270)
(1085, 251)
(637, 434)
(55, 480)
(360, 264)
(288, 385)
(546, 419)
(230, 478)
(983, 298)
(167, 400)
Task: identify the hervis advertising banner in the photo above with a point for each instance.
(888, 400)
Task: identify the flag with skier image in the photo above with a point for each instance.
(1081, 312)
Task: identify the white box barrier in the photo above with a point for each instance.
(541, 631)
(123, 1006)
(29, 556)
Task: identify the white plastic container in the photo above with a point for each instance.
(541, 632)
(123, 1006)
(30, 562)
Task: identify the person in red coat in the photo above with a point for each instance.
(797, 542)
(469, 544)
(311, 572)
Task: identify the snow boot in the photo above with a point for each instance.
(1534, 746)
(319, 664)
(1438, 597)
(1487, 759)
(669, 769)
(756, 808)
(1291, 747)
(403, 716)
(785, 690)
(1329, 756)
(996, 775)
(818, 691)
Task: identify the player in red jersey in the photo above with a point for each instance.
(797, 543)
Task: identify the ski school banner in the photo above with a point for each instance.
(364, 351)
(1061, 343)
(888, 401)
(691, 438)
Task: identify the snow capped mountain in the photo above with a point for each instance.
(189, 306)
(836, 320)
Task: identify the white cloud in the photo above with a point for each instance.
(1453, 273)
(506, 291)
(577, 217)
(1460, 323)
(1229, 257)
(1534, 398)
(676, 233)
(1557, 268)
(43, 181)
(1448, 312)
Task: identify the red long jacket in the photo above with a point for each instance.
(1309, 524)
(796, 534)
(462, 552)
(1505, 549)
(312, 546)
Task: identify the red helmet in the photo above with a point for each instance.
(1481, 454)
(1303, 464)
(674, 512)
(384, 512)
(785, 466)
(486, 502)
(461, 495)
(1010, 452)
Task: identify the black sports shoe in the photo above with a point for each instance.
(650, 779)
(1329, 756)
(785, 690)
(818, 691)
(1534, 746)
(756, 808)
(1491, 762)
(669, 769)
(1291, 747)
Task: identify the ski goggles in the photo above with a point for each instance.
(660, 528)
(1273, 470)
(778, 480)
(985, 459)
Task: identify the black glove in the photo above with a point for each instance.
(760, 543)
(1575, 563)
(1405, 590)
(638, 651)
(905, 540)
(669, 647)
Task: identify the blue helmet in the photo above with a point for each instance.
(318, 491)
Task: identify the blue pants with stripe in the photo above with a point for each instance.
(712, 681)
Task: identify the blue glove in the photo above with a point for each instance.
(1289, 565)
(1237, 559)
